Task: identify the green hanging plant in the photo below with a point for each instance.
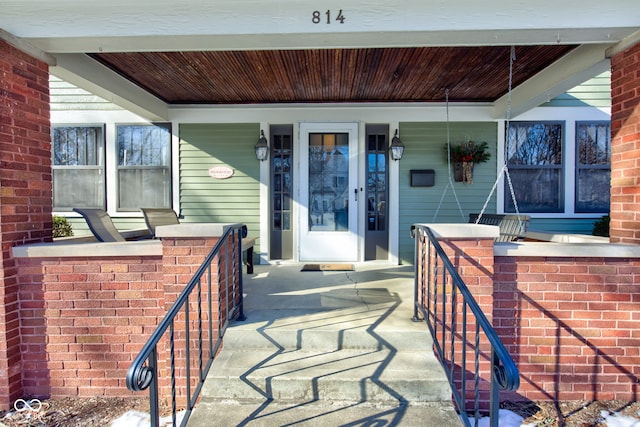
(469, 151)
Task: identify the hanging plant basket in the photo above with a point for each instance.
(463, 158)
(463, 172)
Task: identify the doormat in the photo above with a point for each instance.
(327, 267)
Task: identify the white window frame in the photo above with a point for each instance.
(168, 166)
(557, 168)
(591, 167)
(102, 162)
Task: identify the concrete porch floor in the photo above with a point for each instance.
(332, 348)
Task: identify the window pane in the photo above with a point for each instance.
(593, 190)
(328, 182)
(144, 145)
(537, 190)
(594, 143)
(147, 188)
(535, 143)
(144, 159)
(74, 187)
(77, 146)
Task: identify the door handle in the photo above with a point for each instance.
(355, 193)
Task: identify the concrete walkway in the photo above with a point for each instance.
(326, 348)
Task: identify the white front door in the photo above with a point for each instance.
(328, 192)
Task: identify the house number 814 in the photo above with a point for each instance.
(317, 17)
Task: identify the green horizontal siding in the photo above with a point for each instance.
(232, 200)
(424, 144)
(595, 92)
(68, 97)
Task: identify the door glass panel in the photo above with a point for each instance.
(328, 181)
(281, 178)
(376, 182)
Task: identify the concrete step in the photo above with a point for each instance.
(321, 339)
(312, 414)
(391, 377)
(375, 327)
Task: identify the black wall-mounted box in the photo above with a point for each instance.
(423, 177)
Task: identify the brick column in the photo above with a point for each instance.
(25, 191)
(470, 249)
(184, 249)
(625, 146)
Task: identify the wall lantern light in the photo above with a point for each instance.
(262, 147)
(397, 147)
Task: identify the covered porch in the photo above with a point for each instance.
(92, 50)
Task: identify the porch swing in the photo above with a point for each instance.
(512, 227)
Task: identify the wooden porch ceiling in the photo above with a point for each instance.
(420, 74)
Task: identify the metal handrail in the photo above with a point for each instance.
(504, 373)
(143, 372)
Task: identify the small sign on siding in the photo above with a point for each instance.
(221, 172)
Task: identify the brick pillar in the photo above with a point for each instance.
(473, 259)
(25, 191)
(625, 146)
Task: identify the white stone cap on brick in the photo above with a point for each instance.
(564, 238)
(567, 250)
(87, 246)
(194, 229)
(88, 249)
(461, 231)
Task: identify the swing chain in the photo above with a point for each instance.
(505, 168)
(450, 183)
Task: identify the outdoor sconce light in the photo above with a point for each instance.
(262, 147)
(397, 147)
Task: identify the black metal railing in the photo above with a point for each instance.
(464, 340)
(190, 335)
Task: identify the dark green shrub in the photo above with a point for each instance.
(61, 227)
(601, 226)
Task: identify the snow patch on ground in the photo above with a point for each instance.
(616, 420)
(507, 418)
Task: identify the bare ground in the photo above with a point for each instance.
(100, 411)
(74, 412)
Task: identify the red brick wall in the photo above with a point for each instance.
(625, 146)
(572, 325)
(84, 320)
(25, 190)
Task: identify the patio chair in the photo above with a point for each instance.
(512, 227)
(101, 225)
(155, 217)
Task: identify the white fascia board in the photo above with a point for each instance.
(141, 25)
(579, 65)
(326, 40)
(94, 77)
